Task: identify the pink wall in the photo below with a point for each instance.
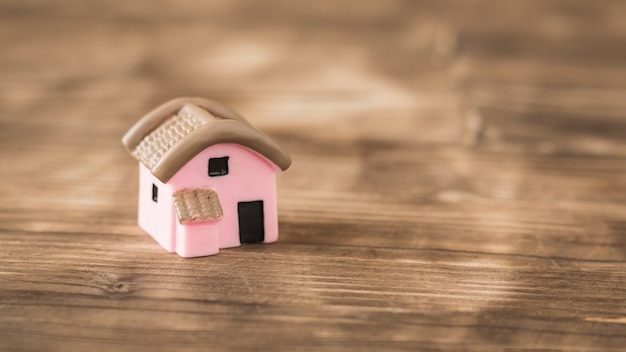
(197, 240)
(157, 219)
(251, 177)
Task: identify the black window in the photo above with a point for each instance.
(155, 193)
(218, 166)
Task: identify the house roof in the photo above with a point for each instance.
(169, 136)
(194, 205)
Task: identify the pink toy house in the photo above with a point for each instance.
(207, 178)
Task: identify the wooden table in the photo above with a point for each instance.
(459, 175)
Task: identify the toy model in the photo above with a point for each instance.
(207, 178)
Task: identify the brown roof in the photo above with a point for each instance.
(169, 136)
(194, 205)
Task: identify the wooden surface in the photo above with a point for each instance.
(458, 179)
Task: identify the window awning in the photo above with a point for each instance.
(197, 205)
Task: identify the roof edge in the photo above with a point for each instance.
(222, 131)
(154, 118)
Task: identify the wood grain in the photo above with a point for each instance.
(458, 177)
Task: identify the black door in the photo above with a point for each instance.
(251, 224)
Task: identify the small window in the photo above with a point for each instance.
(155, 193)
(218, 166)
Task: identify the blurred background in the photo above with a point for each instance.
(334, 82)
(441, 68)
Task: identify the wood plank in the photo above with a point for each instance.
(457, 180)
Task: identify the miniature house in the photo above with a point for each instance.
(207, 178)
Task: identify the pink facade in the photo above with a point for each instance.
(247, 195)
